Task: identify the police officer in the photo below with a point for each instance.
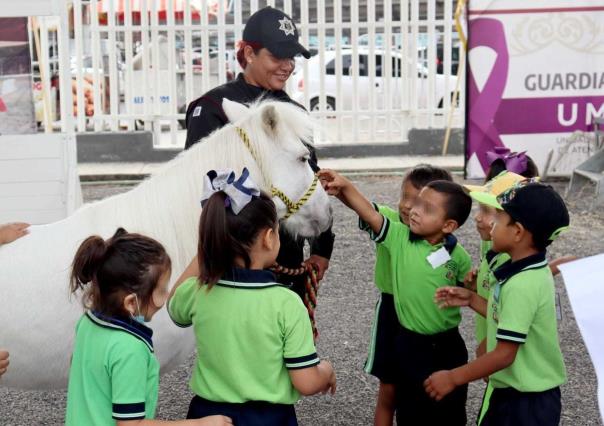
(266, 54)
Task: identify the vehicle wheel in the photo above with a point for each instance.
(330, 104)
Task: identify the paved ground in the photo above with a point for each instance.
(345, 311)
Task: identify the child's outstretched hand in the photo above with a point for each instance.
(439, 384)
(447, 297)
(332, 181)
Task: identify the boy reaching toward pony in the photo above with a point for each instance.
(255, 347)
(381, 360)
(114, 375)
(424, 256)
(523, 359)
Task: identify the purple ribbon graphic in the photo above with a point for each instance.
(483, 136)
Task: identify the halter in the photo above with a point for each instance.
(292, 207)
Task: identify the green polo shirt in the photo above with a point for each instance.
(489, 261)
(249, 331)
(114, 373)
(415, 280)
(382, 277)
(522, 309)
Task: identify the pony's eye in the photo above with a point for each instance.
(304, 158)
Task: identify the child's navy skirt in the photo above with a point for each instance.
(252, 413)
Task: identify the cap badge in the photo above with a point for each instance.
(287, 26)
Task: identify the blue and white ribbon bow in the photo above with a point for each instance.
(239, 192)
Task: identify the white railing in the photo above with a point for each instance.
(380, 69)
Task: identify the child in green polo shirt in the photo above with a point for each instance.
(490, 260)
(523, 359)
(482, 280)
(114, 374)
(423, 257)
(255, 347)
(381, 360)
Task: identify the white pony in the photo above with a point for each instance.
(37, 316)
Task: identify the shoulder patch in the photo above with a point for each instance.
(197, 111)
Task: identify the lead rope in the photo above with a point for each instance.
(311, 290)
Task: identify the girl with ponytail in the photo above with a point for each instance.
(114, 375)
(255, 347)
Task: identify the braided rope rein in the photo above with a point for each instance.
(311, 290)
(292, 207)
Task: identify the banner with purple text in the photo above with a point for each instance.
(535, 81)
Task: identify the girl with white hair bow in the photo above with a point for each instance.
(255, 346)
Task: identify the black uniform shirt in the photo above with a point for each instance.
(205, 115)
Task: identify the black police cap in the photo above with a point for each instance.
(274, 30)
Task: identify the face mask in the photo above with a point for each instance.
(138, 318)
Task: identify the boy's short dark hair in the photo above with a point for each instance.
(458, 204)
(422, 174)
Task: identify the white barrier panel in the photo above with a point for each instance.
(39, 180)
(585, 288)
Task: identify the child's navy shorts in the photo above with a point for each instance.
(419, 356)
(252, 413)
(510, 407)
(381, 359)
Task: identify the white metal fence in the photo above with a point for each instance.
(381, 67)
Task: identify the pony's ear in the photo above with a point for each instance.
(234, 110)
(270, 119)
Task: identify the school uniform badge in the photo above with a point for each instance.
(197, 111)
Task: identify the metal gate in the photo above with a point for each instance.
(380, 67)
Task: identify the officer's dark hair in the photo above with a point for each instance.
(423, 174)
(110, 270)
(458, 203)
(241, 48)
(498, 166)
(225, 236)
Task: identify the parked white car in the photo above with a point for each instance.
(399, 83)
